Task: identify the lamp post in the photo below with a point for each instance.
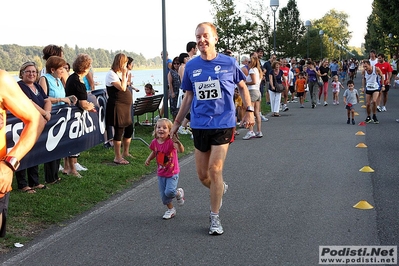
(274, 4)
(332, 50)
(321, 33)
(307, 25)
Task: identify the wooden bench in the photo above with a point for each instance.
(148, 104)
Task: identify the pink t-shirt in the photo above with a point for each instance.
(166, 156)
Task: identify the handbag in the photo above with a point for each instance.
(320, 82)
(278, 86)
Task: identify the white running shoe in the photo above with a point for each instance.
(264, 118)
(182, 131)
(249, 135)
(180, 197)
(225, 187)
(79, 167)
(383, 109)
(325, 103)
(259, 134)
(215, 227)
(170, 213)
(379, 108)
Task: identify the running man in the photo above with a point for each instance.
(372, 88)
(209, 81)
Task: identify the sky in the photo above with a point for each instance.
(136, 26)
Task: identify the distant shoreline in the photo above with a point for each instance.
(100, 69)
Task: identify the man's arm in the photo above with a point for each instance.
(13, 99)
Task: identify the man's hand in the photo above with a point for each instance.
(248, 119)
(6, 175)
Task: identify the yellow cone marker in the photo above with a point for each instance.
(363, 205)
(363, 106)
(361, 145)
(361, 97)
(360, 133)
(361, 101)
(356, 113)
(366, 169)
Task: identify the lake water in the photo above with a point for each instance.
(139, 78)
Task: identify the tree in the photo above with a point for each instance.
(262, 31)
(289, 30)
(233, 32)
(382, 22)
(335, 26)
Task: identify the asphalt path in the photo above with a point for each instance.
(289, 192)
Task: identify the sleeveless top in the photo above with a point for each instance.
(55, 88)
(371, 80)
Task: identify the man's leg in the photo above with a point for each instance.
(210, 172)
(384, 98)
(374, 101)
(368, 102)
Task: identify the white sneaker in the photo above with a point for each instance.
(384, 109)
(170, 213)
(325, 103)
(259, 134)
(225, 187)
(318, 103)
(79, 167)
(249, 135)
(182, 131)
(215, 227)
(180, 197)
(379, 108)
(264, 118)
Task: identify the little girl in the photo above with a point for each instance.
(165, 149)
(149, 90)
(336, 85)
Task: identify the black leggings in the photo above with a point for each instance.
(127, 132)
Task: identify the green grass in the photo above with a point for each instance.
(29, 214)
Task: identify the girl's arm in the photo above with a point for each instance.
(150, 157)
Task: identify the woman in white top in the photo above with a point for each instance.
(253, 80)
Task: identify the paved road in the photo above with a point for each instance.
(289, 192)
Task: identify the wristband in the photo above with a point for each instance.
(177, 121)
(11, 162)
(250, 109)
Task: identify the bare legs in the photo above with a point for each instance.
(209, 168)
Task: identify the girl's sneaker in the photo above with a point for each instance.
(180, 197)
(170, 213)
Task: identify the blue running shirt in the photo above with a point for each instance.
(213, 83)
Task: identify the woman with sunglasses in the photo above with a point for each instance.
(174, 86)
(28, 74)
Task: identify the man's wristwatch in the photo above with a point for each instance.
(11, 162)
(250, 109)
